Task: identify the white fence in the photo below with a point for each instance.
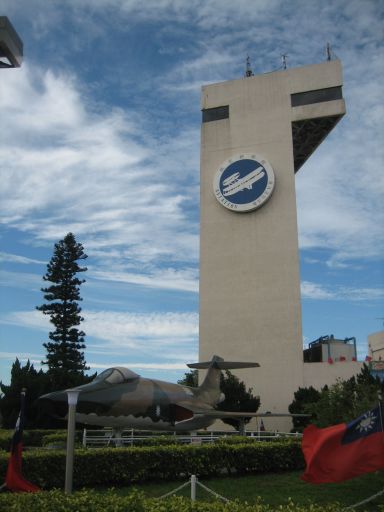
(110, 437)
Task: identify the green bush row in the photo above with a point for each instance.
(90, 501)
(30, 437)
(37, 437)
(122, 466)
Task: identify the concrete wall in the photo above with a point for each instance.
(320, 374)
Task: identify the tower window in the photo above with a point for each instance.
(318, 96)
(215, 114)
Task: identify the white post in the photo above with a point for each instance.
(193, 487)
(72, 401)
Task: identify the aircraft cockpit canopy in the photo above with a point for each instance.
(117, 375)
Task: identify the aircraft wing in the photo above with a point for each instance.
(214, 413)
(222, 365)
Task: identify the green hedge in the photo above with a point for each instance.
(90, 501)
(59, 439)
(122, 466)
(30, 437)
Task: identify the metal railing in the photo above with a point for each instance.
(109, 437)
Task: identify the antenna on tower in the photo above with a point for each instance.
(328, 51)
(284, 60)
(248, 70)
(331, 55)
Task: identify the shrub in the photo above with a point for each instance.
(30, 437)
(59, 439)
(90, 501)
(37, 438)
(122, 466)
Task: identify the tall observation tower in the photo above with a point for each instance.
(257, 132)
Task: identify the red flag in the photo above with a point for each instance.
(14, 480)
(344, 451)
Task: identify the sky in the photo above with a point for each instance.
(100, 135)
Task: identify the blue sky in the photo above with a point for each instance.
(100, 133)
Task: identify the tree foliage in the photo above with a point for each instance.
(36, 384)
(237, 399)
(190, 379)
(341, 402)
(302, 397)
(65, 359)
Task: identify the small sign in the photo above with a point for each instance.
(244, 182)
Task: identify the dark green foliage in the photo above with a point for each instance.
(341, 402)
(190, 379)
(237, 398)
(123, 466)
(302, 397)
(65, 359)
(89, 501)
(347, 400)
(33, 438)
(36, 384)
(58, 439)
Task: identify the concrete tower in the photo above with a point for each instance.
(256, 134)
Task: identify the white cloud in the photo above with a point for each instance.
(24, 280)
(143, 332)
(30, 319)
(36, 360)
(142, 366)
(168, 278)
(130, 329)
(15, 258)
(21, 356)
(317, 291)
(87, 172)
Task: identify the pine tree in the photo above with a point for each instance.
(65, 359)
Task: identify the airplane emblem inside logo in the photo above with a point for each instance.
(234, 184)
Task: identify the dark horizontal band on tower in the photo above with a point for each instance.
(215, 114)
(318, 96)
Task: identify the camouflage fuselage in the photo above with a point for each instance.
(135, 402)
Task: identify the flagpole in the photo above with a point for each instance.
(381, 409)
(14, 480)
(72, 402)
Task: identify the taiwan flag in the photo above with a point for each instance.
(344, 451)
(14, 480)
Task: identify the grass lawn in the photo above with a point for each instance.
(275, 489)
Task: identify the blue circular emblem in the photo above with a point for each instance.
(244, 182)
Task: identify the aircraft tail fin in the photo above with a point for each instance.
(209, 391)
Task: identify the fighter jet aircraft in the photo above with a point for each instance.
(120, 398)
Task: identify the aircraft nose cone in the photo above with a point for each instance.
(54, 404)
